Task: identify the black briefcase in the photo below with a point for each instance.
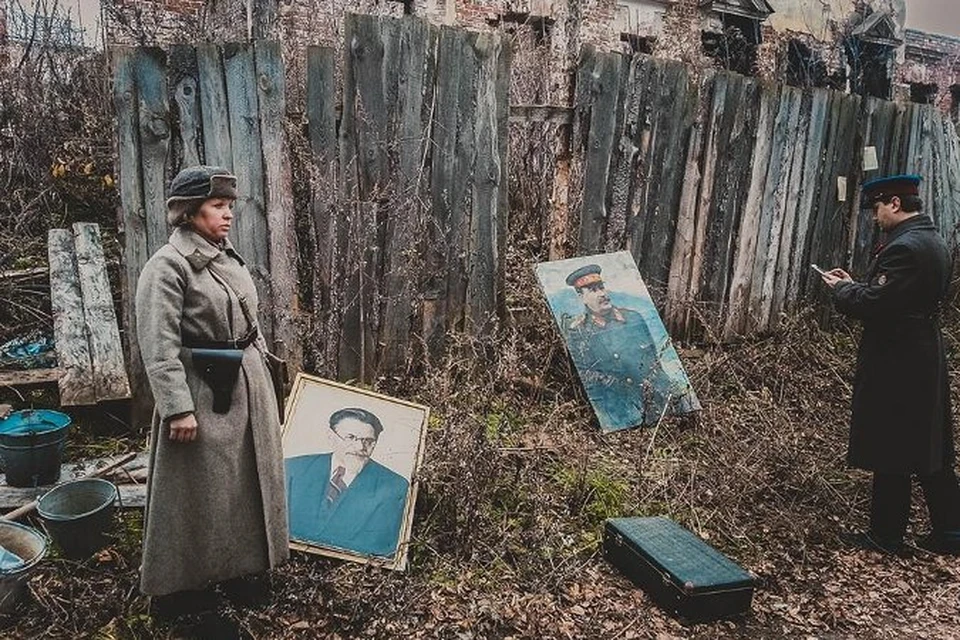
(678, 570)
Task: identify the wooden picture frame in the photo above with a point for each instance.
(350, 461)
(620, 347)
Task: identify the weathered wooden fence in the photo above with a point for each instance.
(408, 189)
(726, 192)
(210, 104)
(410, 236)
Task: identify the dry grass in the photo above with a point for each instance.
(517, 481)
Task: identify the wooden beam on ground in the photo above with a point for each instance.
(69, 332)
(106, 352)
(30, 377)
(132, 496)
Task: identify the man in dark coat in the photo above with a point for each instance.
(901, 423)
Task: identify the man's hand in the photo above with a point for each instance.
(835, 276)
(183, 428)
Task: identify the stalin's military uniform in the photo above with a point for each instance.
(618, 361)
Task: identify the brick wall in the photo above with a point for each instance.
(547, 58)
(930, 59)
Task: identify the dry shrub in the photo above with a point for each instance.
(56, 163)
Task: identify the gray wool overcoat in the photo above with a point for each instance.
(216, 507)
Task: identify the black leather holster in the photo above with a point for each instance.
(219, 368)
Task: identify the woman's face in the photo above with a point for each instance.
(213, 219)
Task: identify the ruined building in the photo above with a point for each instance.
(859, 46)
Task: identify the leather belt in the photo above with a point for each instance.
(242, 343)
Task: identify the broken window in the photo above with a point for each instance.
(735, 47)
(869, 64)
(804, 68)
(923, 93)
(637, 44)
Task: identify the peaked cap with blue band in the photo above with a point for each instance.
(587, 274)
(202, 182)
(899, 185)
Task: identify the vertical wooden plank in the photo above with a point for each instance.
(322, 132)
(631, 140)
(405, 229)
(215, 116)
(133, 222)
(829, 240)
(704, 202)
(952, 169)
(599, 108)
(285, 301)
(155, 134)
(787, 259)
(250, 231)
(109, 379)
(458, 229)
(673, 105)
(809, 193)
(182, 78)
(731, 182)
(764, 302)
(345, 289)
(446, 186)
(502, 87)
(684, 246)
(878, 117)
(365, 166)
(770, 125)
(487, 184)
(938, 168)
(69, 331)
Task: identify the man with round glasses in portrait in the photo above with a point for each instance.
(344, 499)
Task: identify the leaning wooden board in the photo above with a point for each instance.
(678, 570)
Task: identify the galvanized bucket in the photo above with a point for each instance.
(79, 515)
(29, 546)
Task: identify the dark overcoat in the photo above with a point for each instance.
(901, 420)
(216, 506)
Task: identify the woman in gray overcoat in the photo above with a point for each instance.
(216, 509)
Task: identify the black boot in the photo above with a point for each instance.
(947, 544)
(248, 592)
(182, 603)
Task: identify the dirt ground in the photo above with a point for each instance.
(517, 481)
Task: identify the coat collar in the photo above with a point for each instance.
(922, 221)
(197, 251)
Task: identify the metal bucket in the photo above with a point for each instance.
(78, 515)
(29, 545)
(31, 443)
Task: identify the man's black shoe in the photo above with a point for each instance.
(869, 541)
(939, 544)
